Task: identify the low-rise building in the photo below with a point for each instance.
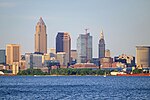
(106, 62)
(52, 52)
(61, 57)
(73, 57)
(107, 53)
(45, 57)
(15, 68)
(96, 61)
(84, 65)
(33, 60)
(129, 61)
(22, 65)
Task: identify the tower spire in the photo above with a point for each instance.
(101, 35)
(41, 22)
(101, 45)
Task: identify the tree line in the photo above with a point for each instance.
(63, 71)
(71, 71)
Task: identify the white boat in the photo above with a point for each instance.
(105, 74)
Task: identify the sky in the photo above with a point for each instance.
(125, 23)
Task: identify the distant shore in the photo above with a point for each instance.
(141, 74)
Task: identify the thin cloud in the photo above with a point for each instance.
(7, 4)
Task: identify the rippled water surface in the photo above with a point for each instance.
(74, 88)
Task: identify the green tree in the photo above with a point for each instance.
(32, 71)
(137, 71)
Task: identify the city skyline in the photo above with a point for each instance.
(125, 23)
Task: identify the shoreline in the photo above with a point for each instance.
(141, 74)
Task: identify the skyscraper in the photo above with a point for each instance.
(143, 56)
(63, 44)
(84, 48)
(101, 46)
(41, 37)
(12, 54)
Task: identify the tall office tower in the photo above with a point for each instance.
(41, 37)
(63, 44)
(84, 48)
(2, 57)
(101, 45)
(143, 56)
(12, 53)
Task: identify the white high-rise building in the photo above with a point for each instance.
(84, 48)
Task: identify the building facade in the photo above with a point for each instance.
(84, 65)
(61, 57)
(33, 60)
(107, 53)
(15, 68)
(106, 62)
(2, 57)
(73, 57)
(74, 54)
(12, 53)
(45, 57)
(101, 46)
(96, 61)
(52, 52)
(143, 56)
(41, 37)
(84, 48)
(63, 44)
(22, 63)
(128, 61)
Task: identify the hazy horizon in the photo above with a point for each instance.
(125, 23)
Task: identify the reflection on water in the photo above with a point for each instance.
(75, 88)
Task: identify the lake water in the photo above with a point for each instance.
(74, 88)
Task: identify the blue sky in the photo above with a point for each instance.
(125, 23)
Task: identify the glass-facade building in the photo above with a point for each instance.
(84, 48)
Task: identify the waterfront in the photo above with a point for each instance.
(74, 88)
